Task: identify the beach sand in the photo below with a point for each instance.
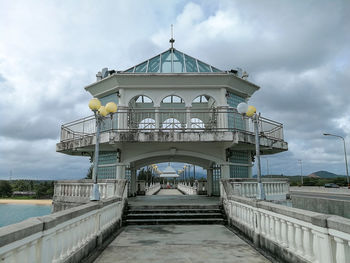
(27, 202)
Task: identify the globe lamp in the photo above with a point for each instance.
(94, 104)
(251, 111)
(111, 107)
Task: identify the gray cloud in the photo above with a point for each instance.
(297, 51)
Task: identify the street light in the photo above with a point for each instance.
(346, 160)
(250, 111)
(301, 171)
(100, 113)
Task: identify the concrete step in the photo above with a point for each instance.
(174, 215)
(172, 211)
(169, 207)
(178, 221)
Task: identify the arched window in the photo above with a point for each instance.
(172, 99)
(143, 99)
(171, 124)
(197, 124)
(201, 99)
(147, 124)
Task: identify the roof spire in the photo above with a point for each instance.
(172, 40)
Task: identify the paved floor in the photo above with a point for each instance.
(179, 244)
(169, 192)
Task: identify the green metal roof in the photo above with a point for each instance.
(172, 61)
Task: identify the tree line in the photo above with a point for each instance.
(40, 189)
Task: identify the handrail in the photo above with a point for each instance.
(173, 120)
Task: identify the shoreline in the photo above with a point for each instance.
(27, 201)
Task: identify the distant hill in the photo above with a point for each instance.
(324, 174)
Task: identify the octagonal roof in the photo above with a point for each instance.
(173, 61)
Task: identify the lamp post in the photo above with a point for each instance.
(301, 171)
(100, 113)
(345, 157)
(250, 111)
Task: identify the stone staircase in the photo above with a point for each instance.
(174, 214)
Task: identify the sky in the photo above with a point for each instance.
(298, 52)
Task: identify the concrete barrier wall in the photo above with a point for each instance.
(322, 205)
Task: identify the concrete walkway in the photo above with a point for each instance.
(179, 244)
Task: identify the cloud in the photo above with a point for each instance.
(296, 51)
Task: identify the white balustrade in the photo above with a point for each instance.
(275, 189)
(152, 189)
(56, 237)
(187, 189)
(292, 229)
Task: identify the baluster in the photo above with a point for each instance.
(291, 240)
(272, 228)
(278, 230)
(340, 250)
(315, 246)
(262, 224)
(298, 239)
(267, 225)
(307, 243)
(284, 239)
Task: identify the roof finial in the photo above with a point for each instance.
(172, 40)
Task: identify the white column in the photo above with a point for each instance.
(188, 117)
(156, 116)
(209, 181)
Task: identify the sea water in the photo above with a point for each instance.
(14, 213)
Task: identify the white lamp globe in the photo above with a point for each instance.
(242, 108)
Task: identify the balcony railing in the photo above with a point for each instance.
(160, 120)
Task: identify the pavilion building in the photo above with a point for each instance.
(173, 108)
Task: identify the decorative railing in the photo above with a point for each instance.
(79, 191)
(298, 235)
(152, 189)
(150, 120)
(275, 189)
(66, 236)
(187, 188)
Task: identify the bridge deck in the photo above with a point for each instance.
(179, 243)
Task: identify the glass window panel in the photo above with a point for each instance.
(197, 100)
(146, 100)
(178, 62)
(167, 99)
(153, 65)
(139, 99)
(166, 62)
(142, 67)
(177, 99)
(204, 99)
(203, 67)
(191, 65)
